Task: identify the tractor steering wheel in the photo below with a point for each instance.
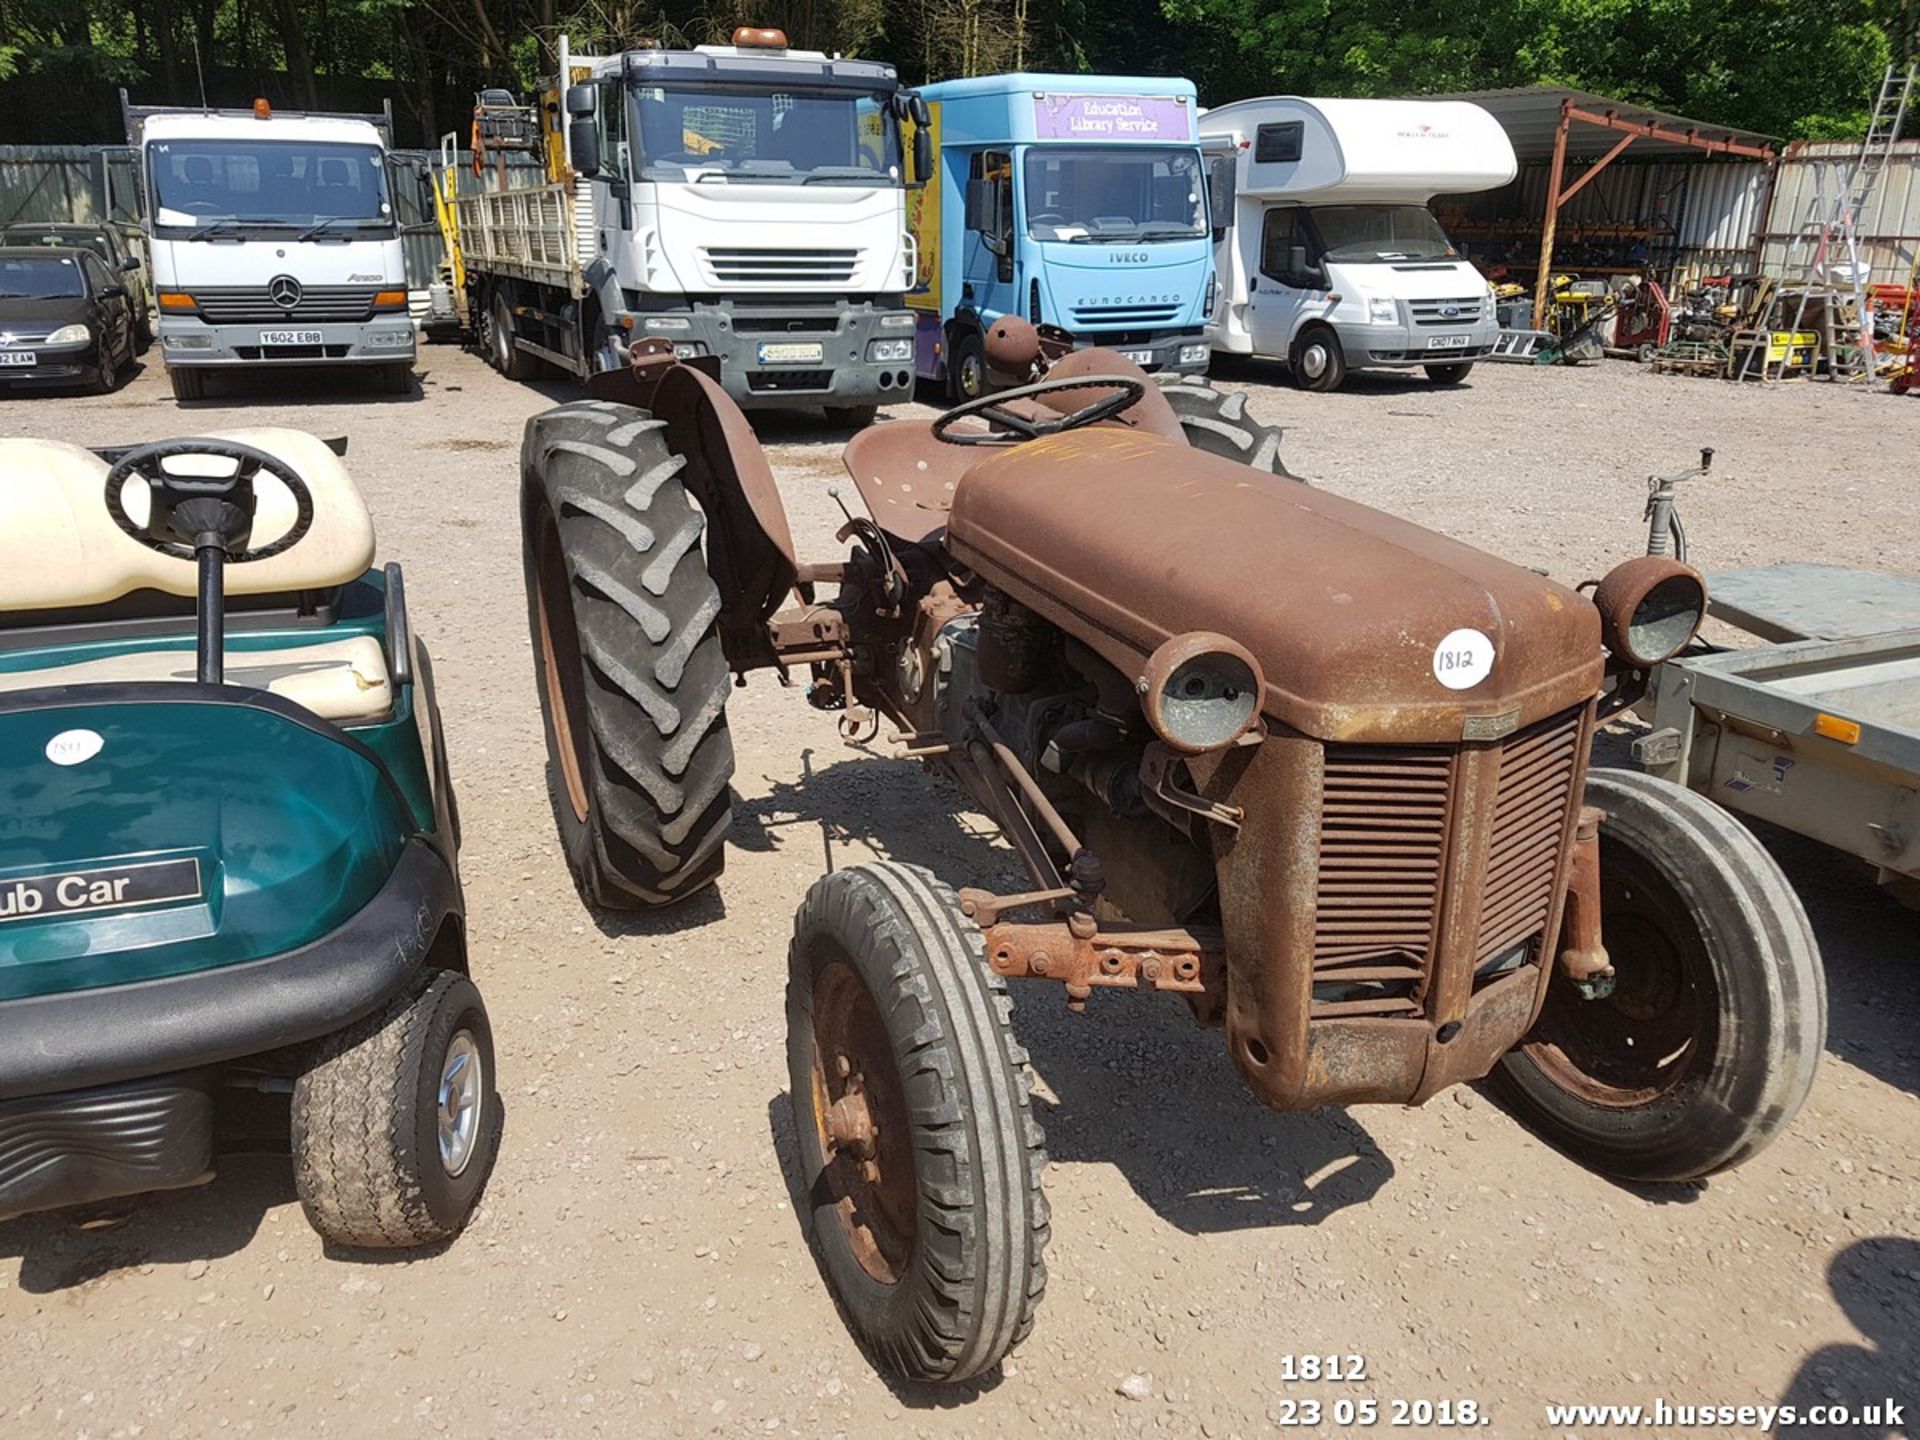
(1016, 427)
(146, 461)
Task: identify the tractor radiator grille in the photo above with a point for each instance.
(1389, 817)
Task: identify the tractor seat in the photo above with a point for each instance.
(60, 550)
(342, 680)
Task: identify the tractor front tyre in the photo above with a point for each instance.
(633, 684)
(920, 1157)
(1217, 422)
(396, 1123)
(1709, 1040)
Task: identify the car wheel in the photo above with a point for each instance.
(1317, 361)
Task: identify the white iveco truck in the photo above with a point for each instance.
(273, 241)
(745, 202)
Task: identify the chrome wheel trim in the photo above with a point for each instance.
(460, 1103)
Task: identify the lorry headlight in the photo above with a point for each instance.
(1650, 608)
(1382, 312)
(186, 342)
(668, 322)
(1193, 354)
(688, 350)
(1201, 691)
(77, 334)
(889, 349)
(390, 339)
(896, 322)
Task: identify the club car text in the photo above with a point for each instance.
(113, 887)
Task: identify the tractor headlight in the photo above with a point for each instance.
(1650, 608)
(1382, 311)
(1201, 691)
(77, 334)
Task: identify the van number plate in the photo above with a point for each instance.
(16, 357)
(1448, 342)
(290, 337)
(791, 352)
(109, 887)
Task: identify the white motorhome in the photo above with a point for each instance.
(1333, 262)
(273, 241)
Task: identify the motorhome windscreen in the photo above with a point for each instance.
(200, 189)
(1114, 196)
(793, 137)
(1370, 234)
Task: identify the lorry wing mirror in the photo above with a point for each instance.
(583, 140)
(580, 101)
(922, 153)
(979, 214)
(918, 110)
(1222, 189)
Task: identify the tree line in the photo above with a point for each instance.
(1793, 68)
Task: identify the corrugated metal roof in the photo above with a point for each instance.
(1530, 114)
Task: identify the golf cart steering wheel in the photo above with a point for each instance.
(1015, 428)
(146, 462)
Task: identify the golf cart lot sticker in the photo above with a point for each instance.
(74, 747)
(1463, 659)
(106, 887)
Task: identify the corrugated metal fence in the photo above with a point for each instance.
(1809, 179)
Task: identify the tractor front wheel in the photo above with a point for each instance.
(919, 1153)
(1710, 1037)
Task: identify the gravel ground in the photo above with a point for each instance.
(636, 1267)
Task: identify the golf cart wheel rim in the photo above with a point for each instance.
(564, 701)
(874, 1189)
(1659, 1026)
(1313, 359)
(460, 1100)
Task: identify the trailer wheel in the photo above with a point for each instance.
(633, 683)
(1711, 1037)
(1217, 422)
(396, 1124)
(1317, 361)
(497, 338)
(1449, 374)
(919, 1151)
(188, 384)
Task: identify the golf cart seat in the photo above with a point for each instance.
(63, 559)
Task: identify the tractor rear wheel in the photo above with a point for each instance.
(1710, 1039)
(633, 684)
(920, 1156)
(1217, 421)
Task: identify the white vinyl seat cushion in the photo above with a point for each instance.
(339, 680)
(59, 548)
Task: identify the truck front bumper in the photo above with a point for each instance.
(1365, 346)
(786, 356)
(1182, 353)
(385, 339)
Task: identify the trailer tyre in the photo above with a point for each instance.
(1317, 361)
(919, 1153)
(1710, 1039)
(633, 683)
(1217, 422)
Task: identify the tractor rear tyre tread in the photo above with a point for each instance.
(366, 1153)
(1218, 422)
(1766, 997)
(974, 1274)
(635, 694)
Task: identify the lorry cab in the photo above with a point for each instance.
(273, 241)
(1333, 262)
(1071, 200)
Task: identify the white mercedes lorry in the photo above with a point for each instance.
(273, 241)
(745, 202)
(1333, 262)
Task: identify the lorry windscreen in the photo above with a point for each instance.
(1380, 234)
(771, 137)
(233, 187)
(1115, 196)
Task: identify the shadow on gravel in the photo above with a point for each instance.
(296, 386)
(1877, 1283)
(1246, 370)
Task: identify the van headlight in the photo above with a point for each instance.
(1382, 311)
(1650, 608)
(75, 334)
(1201, 691)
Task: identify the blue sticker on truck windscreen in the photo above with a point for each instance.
(104, 887)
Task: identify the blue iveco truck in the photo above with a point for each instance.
(1072, 200)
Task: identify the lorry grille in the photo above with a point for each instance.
(1124, 314)
(250, 305)
(740, 265)
(1434, 312)
(1389, 815)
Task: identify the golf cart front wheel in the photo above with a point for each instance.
(1708, 1042)
(919, 1152)
(396, 1124)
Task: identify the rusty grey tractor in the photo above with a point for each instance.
(1314, 770)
